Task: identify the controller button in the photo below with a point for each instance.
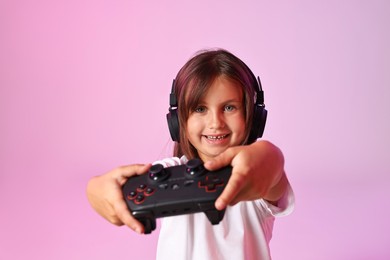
(217, 181)
(188, 183)
(149, 191)
(163, 186)
(210, 183)
(141, 188)
(175, 186)
(210, 187)
(139, 199)
(131, 195)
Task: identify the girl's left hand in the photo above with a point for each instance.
(258, 172)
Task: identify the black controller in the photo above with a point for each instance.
(177, 190)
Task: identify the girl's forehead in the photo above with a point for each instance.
(222, 89)
(197, 89)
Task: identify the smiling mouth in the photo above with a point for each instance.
(215, 137)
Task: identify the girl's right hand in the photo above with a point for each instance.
(104, 193)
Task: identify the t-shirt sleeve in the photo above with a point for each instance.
(172, 161)
(284, 206)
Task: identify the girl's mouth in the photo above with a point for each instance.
(215, 137)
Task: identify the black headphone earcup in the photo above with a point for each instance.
(173, 124)
(258, 124)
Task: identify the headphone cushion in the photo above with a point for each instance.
(258, 124)
(173, 125)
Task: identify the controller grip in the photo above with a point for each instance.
(215, 216)
(147, 219)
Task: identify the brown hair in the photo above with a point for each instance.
(193, 81)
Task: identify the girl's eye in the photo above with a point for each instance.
(199, 109)
(229, 108)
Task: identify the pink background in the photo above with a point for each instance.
(84, 88)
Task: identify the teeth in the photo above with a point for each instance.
(219, 137)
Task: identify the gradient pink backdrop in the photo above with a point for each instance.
(84, 88)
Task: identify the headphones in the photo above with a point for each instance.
(258, 122)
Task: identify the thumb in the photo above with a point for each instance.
(134, 169)
(127, 171)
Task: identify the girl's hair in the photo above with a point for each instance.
(194, 79)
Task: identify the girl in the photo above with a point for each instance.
(216, 115)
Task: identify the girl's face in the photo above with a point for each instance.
(218, 122)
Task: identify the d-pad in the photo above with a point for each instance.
(210, 183)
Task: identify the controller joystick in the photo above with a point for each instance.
(157, 173)
(194, 168)
(177, 190)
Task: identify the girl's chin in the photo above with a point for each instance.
(209, 154)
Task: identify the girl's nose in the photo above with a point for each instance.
(216, 120)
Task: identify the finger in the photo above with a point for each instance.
(125, 216)
(127, 171)
(221, 160)
(231, 190)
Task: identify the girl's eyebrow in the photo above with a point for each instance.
(230, 100)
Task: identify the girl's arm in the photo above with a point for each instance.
(258, 172)
(105, 195)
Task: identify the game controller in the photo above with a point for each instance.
(176, 190)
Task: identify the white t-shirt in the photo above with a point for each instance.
(244, 232)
